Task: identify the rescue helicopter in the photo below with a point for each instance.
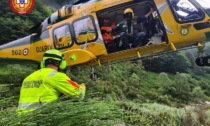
(76, 30)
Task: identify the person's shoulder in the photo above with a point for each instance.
(51, 72)
(42, 72)
(60, 75)
(35, 72)
(32, 75)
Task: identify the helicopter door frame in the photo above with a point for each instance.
(82, 31)
(133, 4)
(67, 34)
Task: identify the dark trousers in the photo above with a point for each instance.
(135, 40)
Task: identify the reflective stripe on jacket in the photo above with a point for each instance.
(46, 85)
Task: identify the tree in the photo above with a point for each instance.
(14, 26)
(198, 95)
(172, 63)
(182, 88)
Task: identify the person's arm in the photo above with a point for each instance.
(116, 28)
(143, 18)
(149, 13)
(68, 87)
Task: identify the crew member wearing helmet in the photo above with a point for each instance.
(131, 33)
(47, 84)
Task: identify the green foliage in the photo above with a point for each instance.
(130, 81)
(15, 73)
(92, 113)
(70, 114)
(198, 95)
(9, 95)
(116, 97)
(172, 63)
(14, 26)
(164, 80)
(182, 86)
(204, 84)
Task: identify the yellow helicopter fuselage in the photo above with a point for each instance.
(76, 31)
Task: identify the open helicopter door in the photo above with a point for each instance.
(151, 29)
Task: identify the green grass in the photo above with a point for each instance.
(124, 94)
(101, 113)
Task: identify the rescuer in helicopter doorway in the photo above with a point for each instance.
(47, 84)
(131, 34)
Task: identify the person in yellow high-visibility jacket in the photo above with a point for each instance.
(47, 84)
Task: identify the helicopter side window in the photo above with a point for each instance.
(62, 37)
(84, 30)
(185, 11)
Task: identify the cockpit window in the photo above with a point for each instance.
(205, 4)
(185, 11)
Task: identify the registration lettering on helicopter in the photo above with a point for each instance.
(43, 48)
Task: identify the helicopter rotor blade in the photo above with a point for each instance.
(79, 1)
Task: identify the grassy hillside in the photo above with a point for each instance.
(123, 94)
(104, 113)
